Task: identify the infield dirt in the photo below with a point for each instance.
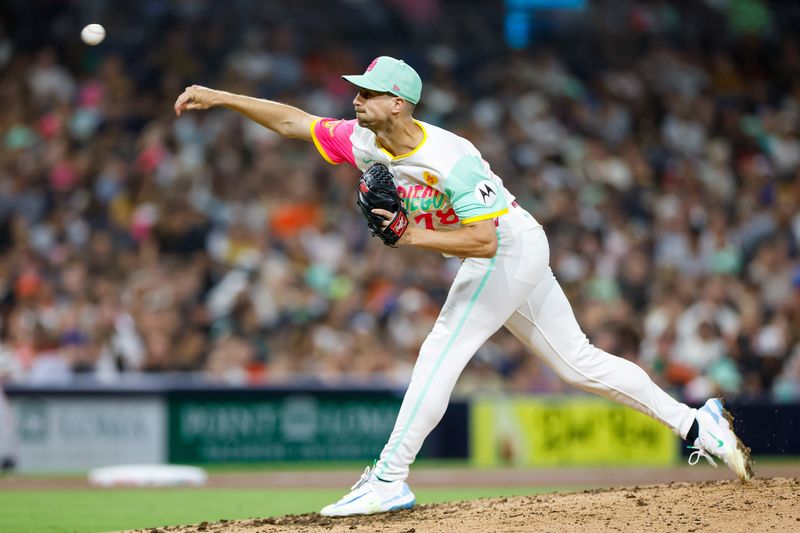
(761, 505)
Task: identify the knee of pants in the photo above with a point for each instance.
(572, 366)
(574, 379)
(589, 368)
(432, 404)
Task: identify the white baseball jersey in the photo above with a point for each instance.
(444, 182)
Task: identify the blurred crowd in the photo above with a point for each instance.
(657, 143)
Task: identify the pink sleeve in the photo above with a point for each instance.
(332, 139)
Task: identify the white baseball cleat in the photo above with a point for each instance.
(716, 438)
(370, 495)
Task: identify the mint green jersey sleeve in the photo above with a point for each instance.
(473, 194)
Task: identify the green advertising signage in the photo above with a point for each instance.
(256, 427)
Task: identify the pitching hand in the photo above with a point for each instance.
(194, 98)
(388, 216)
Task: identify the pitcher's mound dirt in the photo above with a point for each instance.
(762, 505)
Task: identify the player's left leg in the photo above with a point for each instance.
(546, 323)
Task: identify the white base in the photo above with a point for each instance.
(147, 476)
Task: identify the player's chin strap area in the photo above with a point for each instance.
(695, 456)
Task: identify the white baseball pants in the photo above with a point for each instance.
(515, 289)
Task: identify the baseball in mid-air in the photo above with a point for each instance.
(93, 34)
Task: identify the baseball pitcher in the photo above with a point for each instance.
(427, 187)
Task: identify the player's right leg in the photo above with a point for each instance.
(547, 324)
(484, 294)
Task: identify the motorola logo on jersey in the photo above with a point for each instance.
(486, 192)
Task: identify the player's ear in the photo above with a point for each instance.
(399, 106)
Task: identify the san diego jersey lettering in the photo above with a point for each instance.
(444, 182)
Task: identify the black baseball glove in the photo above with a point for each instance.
(376, 190)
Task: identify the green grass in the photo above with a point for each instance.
(47, 511)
